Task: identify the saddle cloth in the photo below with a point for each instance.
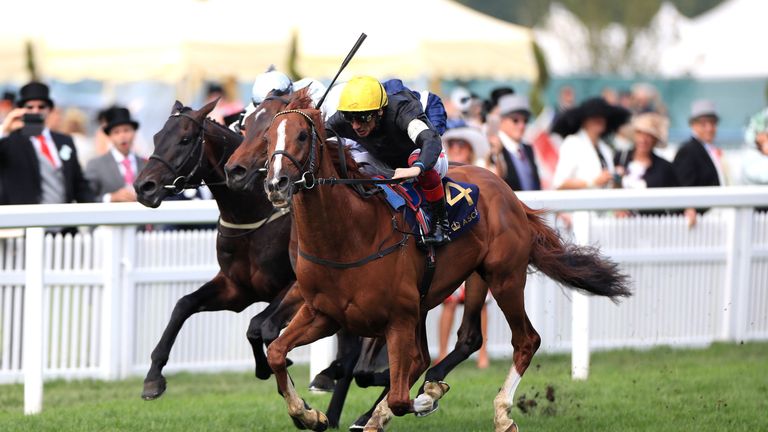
(460, 198)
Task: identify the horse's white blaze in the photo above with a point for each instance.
(280, 146)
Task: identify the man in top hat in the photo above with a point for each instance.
(698, 161)
(38, 166)
(112, 174)
(514, 160)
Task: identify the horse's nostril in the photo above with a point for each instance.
(148, 186)
(282, 182)
(236, 172)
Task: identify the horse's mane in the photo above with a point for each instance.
(300, 100)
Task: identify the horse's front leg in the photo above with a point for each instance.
(407, 360)
(220, 293)
(306, 327)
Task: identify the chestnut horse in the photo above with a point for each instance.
(242, 170)
(380, 296)
(252, 245)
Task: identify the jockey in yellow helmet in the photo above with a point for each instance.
(395, 130)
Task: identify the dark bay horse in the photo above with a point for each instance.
(381, 298)
(252, 244)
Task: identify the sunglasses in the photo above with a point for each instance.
(32, 106)
(360, 117)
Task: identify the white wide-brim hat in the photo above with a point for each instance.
(473, 136)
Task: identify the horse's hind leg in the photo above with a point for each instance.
(470, 336)
(217, 294)
(256, 337)
(350, 347)
(509, 295)
(306, 327)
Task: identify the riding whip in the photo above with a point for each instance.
(343, 65)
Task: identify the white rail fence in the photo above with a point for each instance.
(99, 301)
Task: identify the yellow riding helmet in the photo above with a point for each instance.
(362, 93)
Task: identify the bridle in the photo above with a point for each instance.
(181, 181)
(308, 168)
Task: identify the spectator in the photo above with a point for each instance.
(640, 167)
(585, 160)
(112, 175)
(229, 101)
(492, 118)
(514, 160)
(698, 161)
(465, 145)
(41, 165)
(457, 106)
(566, 99)
(755, 167)
(74, 125)
(6, 104)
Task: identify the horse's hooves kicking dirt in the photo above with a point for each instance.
(153, 389)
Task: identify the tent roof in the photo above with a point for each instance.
(718, 43)
(172, 39)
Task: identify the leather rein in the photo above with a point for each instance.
(309, 180)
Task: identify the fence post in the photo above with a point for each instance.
(33, 352)
(737, 273)
(111, 309)
(321, 353)
(580, 308)
(127, 300)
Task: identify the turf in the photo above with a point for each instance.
(723, 387)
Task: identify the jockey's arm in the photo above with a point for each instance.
(412, 119)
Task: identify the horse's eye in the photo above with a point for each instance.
(185, 140)
(303, 136)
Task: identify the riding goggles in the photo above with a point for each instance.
(360, 117)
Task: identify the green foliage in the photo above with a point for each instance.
(293, 55)
(596, 12)
(719, 388)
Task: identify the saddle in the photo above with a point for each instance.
(460, 199)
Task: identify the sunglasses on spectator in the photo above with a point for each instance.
(360, 117)
(35, 106)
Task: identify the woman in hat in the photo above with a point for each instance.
(466, 145)
(755, 167)
(640, 167)
(585, 160)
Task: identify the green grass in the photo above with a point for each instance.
(724, 387)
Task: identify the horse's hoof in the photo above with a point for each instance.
(263, 373)
(299, 425)
(322, 384)
(512, 428)
(435, 407)
(153, 389)
(360, 423)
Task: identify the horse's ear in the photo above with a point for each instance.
(207, 108)
(177, 107)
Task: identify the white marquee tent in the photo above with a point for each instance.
(170, 40)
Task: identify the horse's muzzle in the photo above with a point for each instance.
(148, 193)
(279, 191)
(239, 178)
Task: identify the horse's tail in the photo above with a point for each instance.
(580, 267)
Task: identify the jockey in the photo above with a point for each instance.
(281, 84)
(395, 130)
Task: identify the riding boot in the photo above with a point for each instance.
(439, 228)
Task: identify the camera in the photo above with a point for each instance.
(33, 125)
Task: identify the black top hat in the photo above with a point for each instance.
(116, 116)
(34, 91)
(569, 122)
